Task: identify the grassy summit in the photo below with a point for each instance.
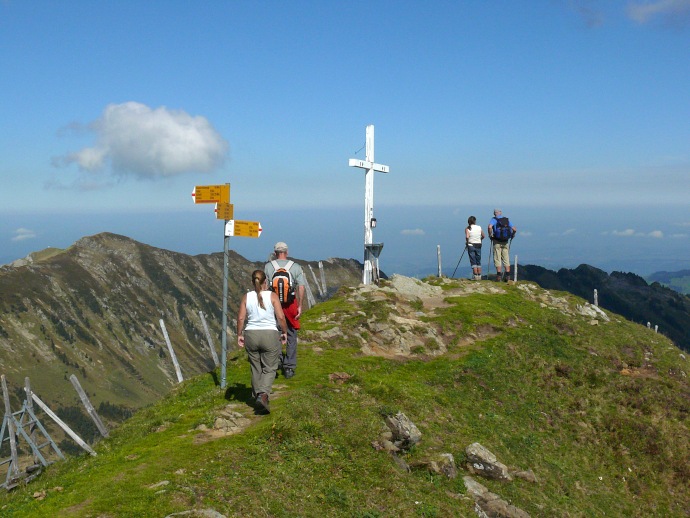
(596, 409)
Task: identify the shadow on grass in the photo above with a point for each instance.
(239, 392)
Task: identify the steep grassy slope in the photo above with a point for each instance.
(596, 408)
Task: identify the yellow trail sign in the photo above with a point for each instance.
(211, 193)
(224, 211)
(237, 228)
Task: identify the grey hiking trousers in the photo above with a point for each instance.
(263, 352)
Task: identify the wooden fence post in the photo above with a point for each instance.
(214, 354)
(30, 406)
(316, 281)
(323, 278)
(13, 469)
(62, 424)
(180, 379)
(89, 407)
(596, 297)
(438, 258)
(310, 295)
(515, 268)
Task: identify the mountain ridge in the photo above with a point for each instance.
(589, 405)
(93, 310)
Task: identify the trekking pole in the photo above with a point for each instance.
(456, 266)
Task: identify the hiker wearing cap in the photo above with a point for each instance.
(473, 240)
(501, 232)
(258, 321)
(287, 279)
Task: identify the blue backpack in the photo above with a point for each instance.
(502, 230)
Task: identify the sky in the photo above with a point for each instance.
(572, 116)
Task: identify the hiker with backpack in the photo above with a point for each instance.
(286, 279)
(501, 232)
(474, 234)
(258, 319)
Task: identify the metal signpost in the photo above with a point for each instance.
(220, 195)
(371, 249)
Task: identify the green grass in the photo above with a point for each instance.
(543, 391)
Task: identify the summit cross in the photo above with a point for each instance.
(371, 249)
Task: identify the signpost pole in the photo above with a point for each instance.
(224, 333)
(220, 195)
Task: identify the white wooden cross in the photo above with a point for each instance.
(371, 251)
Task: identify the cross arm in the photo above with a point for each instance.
(369, 165)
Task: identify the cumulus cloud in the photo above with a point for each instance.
(412, 232)
(672, 13)
(657, 234)
(22, 234)
(133, 139)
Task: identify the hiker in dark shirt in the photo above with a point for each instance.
(501, 232)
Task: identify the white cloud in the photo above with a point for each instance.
(626, 232)
(525, 233)
(134, 139)
(22, 234)
(569, 232)
(673, 13)
(412, 232)
(679, 236)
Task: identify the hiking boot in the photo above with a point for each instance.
(262, 403)
(506, 276)
(288, 373)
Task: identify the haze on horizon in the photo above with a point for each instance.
(571, 115)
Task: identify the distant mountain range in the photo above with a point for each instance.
(93, 310)
(679, 281)
(624, 293)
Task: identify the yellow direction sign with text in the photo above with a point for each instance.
(211, 193)
(224, 211)
(237, 228)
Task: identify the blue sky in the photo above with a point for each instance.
(113, 111)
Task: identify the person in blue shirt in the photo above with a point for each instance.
(501, 232)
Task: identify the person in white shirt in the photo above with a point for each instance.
(473, 238)
(258, 318)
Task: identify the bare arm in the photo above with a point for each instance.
(241, 317)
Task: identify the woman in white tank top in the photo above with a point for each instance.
(258, 319)
(473, 239)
